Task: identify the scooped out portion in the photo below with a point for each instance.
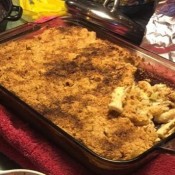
(144, 103)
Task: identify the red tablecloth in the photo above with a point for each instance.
(32, 151)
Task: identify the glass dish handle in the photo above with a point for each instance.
(168, 147)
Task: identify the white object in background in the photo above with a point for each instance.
(20, 172)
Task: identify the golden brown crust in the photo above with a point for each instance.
(69, 80)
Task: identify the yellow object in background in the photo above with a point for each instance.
(35, 9)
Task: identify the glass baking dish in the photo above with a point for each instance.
(155, 67)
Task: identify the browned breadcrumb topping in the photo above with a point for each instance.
(68, 75)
